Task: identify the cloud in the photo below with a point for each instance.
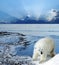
(52, 15)
(33, 14)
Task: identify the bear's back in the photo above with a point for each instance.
(46, 43)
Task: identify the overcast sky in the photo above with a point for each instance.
(20, 8)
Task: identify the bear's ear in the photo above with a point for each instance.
(41, 52)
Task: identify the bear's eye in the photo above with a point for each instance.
(41, 52)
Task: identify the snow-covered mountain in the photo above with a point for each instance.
(51, 18)
(6, 18)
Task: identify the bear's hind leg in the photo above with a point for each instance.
(52, 54)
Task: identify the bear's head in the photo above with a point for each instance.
(40, 52)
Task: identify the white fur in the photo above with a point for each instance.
(46, 45)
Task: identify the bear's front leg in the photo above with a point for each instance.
(42, 58)
(35, 56)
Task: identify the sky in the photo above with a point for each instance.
(20, 8)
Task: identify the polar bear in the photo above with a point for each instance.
(42, 48)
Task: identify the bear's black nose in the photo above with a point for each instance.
(41, 52)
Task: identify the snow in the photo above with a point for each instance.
(32, 29)
(52, 61)
(26, 60)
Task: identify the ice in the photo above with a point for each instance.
(9, 39)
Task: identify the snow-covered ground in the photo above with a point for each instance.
(26, 60)
(32, 29)
(52, 61)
